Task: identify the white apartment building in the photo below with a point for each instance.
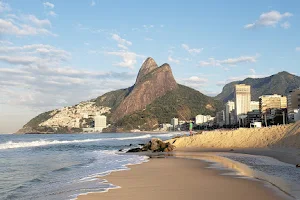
(100, 123)
(174, 122)
(254, 105)
(242, 94)
(201, 119)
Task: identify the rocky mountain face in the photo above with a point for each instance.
(280, 83)
(155, 98)
(152, 82)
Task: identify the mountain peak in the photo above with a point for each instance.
(284, 73)
(148, 66)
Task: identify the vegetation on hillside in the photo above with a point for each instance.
(280, 83)
(39, 119)
(113, 99)
(183, 103)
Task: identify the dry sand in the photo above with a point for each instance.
(287, 136)
(174, 178)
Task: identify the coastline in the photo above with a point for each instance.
(290, 156)
(173, 177)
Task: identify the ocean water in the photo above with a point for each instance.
(48, 167)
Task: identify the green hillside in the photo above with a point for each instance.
(280, 83)
(183, 103)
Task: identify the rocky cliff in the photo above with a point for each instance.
(152, 83)
(155, 98)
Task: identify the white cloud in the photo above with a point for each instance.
(20, 60)
(229, 61)
(120, 40)
(242, 59)
(129, 58)
(271, 18)
(38, 22)
(121, 46)
(15, 25)
(48, 5)
(195, 82)
(4, 42)
(173, 60)
(12, 71)
(4, 7)
(197, 79)
(285, 25)
(190, 50)
(93, 3)
(38, 54)
(297, 48)
(52, 13)
(33, 80)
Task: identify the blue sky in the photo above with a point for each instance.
(58, 53)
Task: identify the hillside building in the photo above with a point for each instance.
(100, 123)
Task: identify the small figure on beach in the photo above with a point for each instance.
(191, 128)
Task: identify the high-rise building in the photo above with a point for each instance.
(100, 123)
(229, 109)
(242, 94)
(254, 105)
(272, 101)
(293, 103)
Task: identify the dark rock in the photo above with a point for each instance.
(155, 145)
(298, 165)
(120, 150)
(134, 150)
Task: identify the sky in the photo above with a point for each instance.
(57, 53)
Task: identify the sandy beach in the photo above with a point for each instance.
(177, 178)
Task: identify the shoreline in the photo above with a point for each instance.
(290, 156)
(131, 184)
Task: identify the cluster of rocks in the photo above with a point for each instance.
(154, 145)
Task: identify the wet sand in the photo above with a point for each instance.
(175, 178)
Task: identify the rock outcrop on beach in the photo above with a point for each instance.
(155, 98)
(280, 83)
(154, 145)
(282, 136)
